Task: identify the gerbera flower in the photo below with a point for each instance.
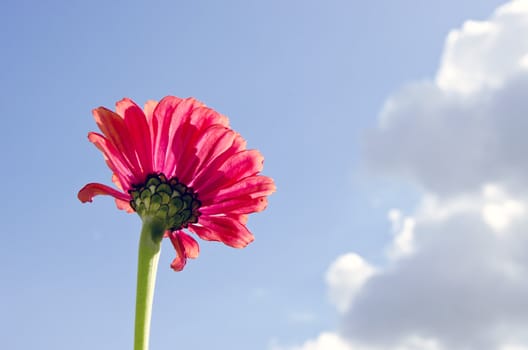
(179, 163)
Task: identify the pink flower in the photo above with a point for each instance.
(178, 160)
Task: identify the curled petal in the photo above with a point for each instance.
(178, 263)
(185, 246)
(192, 249)
(225, 229)
(91, 190)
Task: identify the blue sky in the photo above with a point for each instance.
(308, 83)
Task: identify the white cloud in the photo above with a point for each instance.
(345, 277)
(500, 211)
(325, 341)
(468, 126)
(333, 341)
(513, 347)
(403, 228)
(482, 54)
(464, 285)
(456, 276)
(462, 139)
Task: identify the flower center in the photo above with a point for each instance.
(169, 200)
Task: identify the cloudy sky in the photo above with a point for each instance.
(395, 131)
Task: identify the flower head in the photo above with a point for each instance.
(179, 162)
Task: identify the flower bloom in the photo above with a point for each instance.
(178, 160)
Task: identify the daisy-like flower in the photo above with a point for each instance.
(178, 164)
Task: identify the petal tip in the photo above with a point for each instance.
(85, 194)
(178, 264)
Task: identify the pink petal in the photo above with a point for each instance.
(180, 134)
(113, 127)
(243, 219)
(223, 229)
(124, 205)
(161, 119)
(240, 165)
(115, 180)
(148, 109)
(185, 246)
(114, 159)
(183, 160)
(216, 160)
(192, 249)
(236, 206)
(213, 141)
(89, 191)
(253, 186)
(139, 130)
(178, 263)
(203, 117)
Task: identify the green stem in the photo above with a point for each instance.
(148, 257)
